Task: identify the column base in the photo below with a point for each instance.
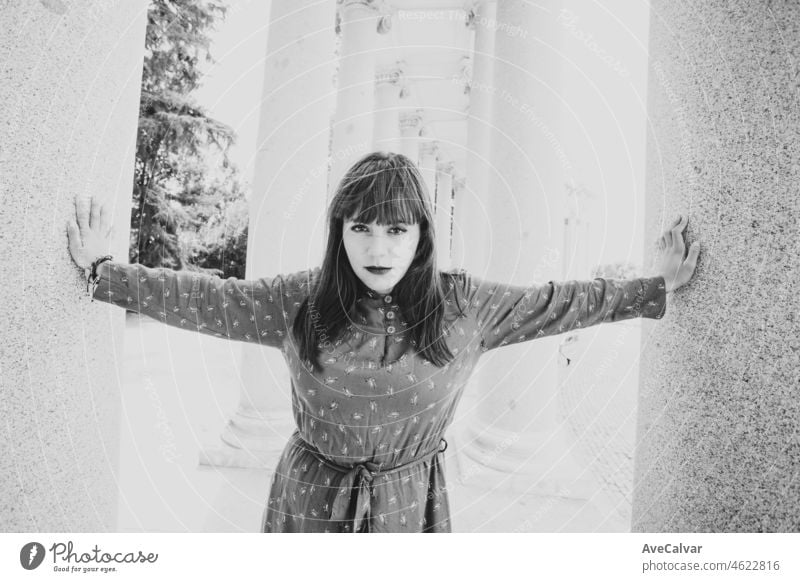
(249, 443)
(536, 463)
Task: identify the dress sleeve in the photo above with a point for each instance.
(509, 314)
(258, 311)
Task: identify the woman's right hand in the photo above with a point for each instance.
(90, 232)
(676, 269)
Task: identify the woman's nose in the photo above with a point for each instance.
(378, 247)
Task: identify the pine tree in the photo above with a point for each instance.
(176, 138)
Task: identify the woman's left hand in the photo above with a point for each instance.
(90, 232)
(671, 264)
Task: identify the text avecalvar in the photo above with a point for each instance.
(671, 549)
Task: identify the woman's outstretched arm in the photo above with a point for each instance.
(509, 314)
(254, 311)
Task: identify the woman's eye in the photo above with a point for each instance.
(392, 230)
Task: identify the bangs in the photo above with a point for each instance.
(386, 195)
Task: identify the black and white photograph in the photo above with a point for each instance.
(401, 266)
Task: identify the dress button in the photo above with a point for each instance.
(390, 315)
(387, 299)
(390, 329)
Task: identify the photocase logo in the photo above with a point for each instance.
(67, 559)
(31, 555)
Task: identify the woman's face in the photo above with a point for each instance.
(371, 246)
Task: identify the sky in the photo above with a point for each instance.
(232, 88)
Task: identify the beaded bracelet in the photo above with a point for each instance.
(94, 279)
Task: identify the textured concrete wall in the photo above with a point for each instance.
(69, 91)
(717, 438)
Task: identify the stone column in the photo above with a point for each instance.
(444, 209)
(516, 428)
(360, 23)
(577, 233)
(389, 89)
(471, 228)
(459, 186)
(410, 124)
(70, 86)
(428, 152)
(287, 210)
(719, 403)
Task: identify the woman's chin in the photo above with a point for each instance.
(382, 289)
(380, 284)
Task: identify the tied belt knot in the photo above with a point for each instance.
(365, 473)
(355, 489)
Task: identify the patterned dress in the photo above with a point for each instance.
(366, 454)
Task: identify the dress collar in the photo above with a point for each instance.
(373, 297)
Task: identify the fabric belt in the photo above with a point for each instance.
(358, 483)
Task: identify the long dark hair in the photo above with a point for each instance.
(387, 188)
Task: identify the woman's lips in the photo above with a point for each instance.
(378, 270)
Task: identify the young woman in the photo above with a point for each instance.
(379, 342)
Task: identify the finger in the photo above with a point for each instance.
(680, 224)
(74, 237)
(72, 230)
(677, 234)
(94, 217)
(82, 213)
(105, 224)
(678, 243)
(694, 252)
(671, 230)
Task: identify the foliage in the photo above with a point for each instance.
(217, 239)
(173, 193)
(618, 270)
